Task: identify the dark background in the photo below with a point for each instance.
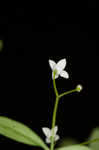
(33, 35)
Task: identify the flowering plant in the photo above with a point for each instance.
(21, 133)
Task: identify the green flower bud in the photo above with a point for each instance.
(79, 88)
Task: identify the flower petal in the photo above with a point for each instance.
(47, 132)
(55, 129)
(60, 65)
(52, 64)
(47, 140)
(64, 74)
(57, 137)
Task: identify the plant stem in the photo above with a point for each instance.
(68, 92)
(53, 122)
(55, 111)
(54, 84)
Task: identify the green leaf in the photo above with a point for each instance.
(94, 135)
(74, 147)
(20, 132)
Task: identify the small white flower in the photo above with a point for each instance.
(48, 133)
(79, 88)
(59, 67)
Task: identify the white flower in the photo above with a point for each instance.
(59, 68)
(48, 133)
(79, 88)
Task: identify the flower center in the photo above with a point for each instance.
(55, 72)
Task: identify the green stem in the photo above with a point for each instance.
(54, 84)
(68, 92)
(54, 121)
(55, 111)
(90, 141)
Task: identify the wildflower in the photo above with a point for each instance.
(49, 133)
(59, 68)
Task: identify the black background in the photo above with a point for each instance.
(32, 35)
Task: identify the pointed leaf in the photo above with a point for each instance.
(74, 147)
(19, 132)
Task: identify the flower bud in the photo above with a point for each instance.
(79, 88)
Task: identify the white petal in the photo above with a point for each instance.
(64, 74)
(55, 131)
(60, 65)
(56, 137)
(48, 140)
(47, 132)
(52, 64)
